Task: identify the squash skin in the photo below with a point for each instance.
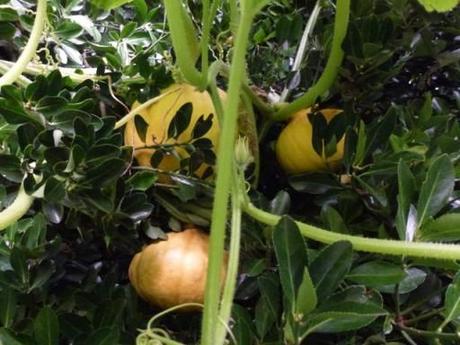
(158, 117)
(172, 272)
(294, 149)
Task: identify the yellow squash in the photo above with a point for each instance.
(172, 272)
(294, 148)
(158, 117)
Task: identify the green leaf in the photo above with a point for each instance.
(452, 301)
(291, 255)
(406, 187)
(436, 189)
(306, 296)
(109, 4)
(103, 336)
(376, 273)
(444, 228)
(330, 267)
(242, 329)
(10, 168)
(180, 121)
(267, 308)
(142, 180)
(7, 338)
(141, 127)
(345, 316)
(380, 131)
(438, 5)
(8, 301)
(413, 279)
(19, 263)
(46, 327)
(54, 190)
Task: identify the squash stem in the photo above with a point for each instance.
(30, 49)
(365, 244)
(330, 71)
(223, 180)
(232, 271)
(17, 209)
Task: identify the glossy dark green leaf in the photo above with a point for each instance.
(141, 127)
(413, 279)
(319, 131)
(267, 308)
(436, 189)
(103, 336)
(333, 220)
(376, 273)
(330, 267)
(106, 172)
(242, 329)
(46, 327)
(291, 255)
(8, 301)
(180, 121)
(444, 228)
(8, 338)
(379, 133)
(10, 168)
(15, 114)
(314, 183)
(346, 316)
(452, 300)
(406, 188)
(18, 261)
(202, 125)
(54, 190)
(281, 203)
(142, 180)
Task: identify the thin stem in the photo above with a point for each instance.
(31, 47)
(17, 209)
(128, 117)
(232, 271)
(428, 315)
(22, 81)
(330, 71)
(223, 180)
(303, 45)
(365, 244)
(428, 334)
(258, 102)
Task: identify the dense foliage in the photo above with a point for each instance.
(64, 265)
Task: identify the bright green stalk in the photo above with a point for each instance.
(223, 180)
(31, 47)
(17, 209)
(232, 271)
(330, 71)
(184, 40)
(370, 245)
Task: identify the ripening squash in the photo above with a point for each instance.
(172, 272)
(158, 118)
(294, 148)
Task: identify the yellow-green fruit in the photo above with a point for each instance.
(158, 117)
(294, 148)
(173, 272)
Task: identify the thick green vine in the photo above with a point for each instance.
(330, 71)
(30, 49)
